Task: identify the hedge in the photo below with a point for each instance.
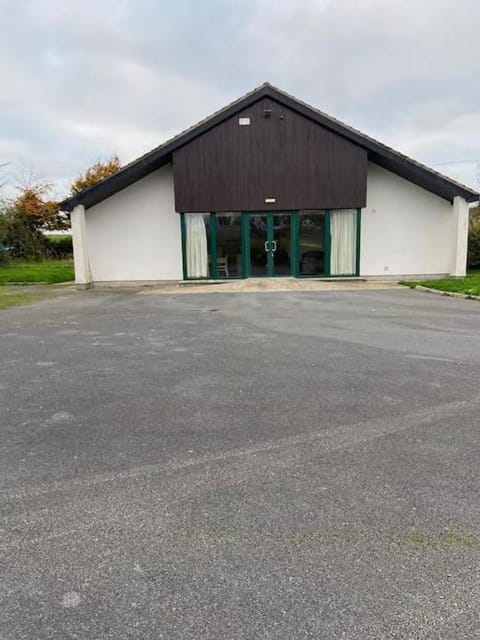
(60, 246)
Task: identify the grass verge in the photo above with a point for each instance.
(12, 296)
(49, 271)
(470, 285)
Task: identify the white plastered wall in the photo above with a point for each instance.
(135, 234)
(405, 230)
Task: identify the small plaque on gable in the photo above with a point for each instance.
(244, 122)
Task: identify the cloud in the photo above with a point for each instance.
(83, 80)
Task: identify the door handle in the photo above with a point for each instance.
(266, 246)
(274, 242)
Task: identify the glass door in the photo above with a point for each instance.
(260, 256)
(270, 244)
(280, 244)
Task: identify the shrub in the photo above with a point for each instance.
(4, 247)
(474, 248)
(4, 255)
(473, 259)
(19, 237)
(60, 246)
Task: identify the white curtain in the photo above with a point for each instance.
(343, 230)
(197, 246)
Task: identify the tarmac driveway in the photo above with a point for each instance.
(269, 465)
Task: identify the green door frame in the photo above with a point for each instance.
(270, 238)
(295, 235)
(245, 245)
(327, 244)
(184, 246)
(294, 244)
(358, 242)
(213, 246)
(270, 241)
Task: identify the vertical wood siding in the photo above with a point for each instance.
(285, 156)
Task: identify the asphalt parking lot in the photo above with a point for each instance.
(272, 465)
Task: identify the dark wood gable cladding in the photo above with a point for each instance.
(280, 154)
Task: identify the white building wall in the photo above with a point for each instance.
(405, 229)
(135, 234)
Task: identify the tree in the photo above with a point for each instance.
(97, 172)
(20, 236)
(43, 213)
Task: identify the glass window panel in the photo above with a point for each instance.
(258, 245)
(281, 244)
(229, 245)
(197, 233)
(311, 237)
(343, 228)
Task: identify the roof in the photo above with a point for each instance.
(378, 153)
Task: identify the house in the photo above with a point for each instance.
(269, 186)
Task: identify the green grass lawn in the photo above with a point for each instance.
(49, 271)
(469, 285)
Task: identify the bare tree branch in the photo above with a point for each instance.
(3, 174)
(26, 177)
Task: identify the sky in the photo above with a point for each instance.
(81, 80)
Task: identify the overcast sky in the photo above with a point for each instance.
(84, 79)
